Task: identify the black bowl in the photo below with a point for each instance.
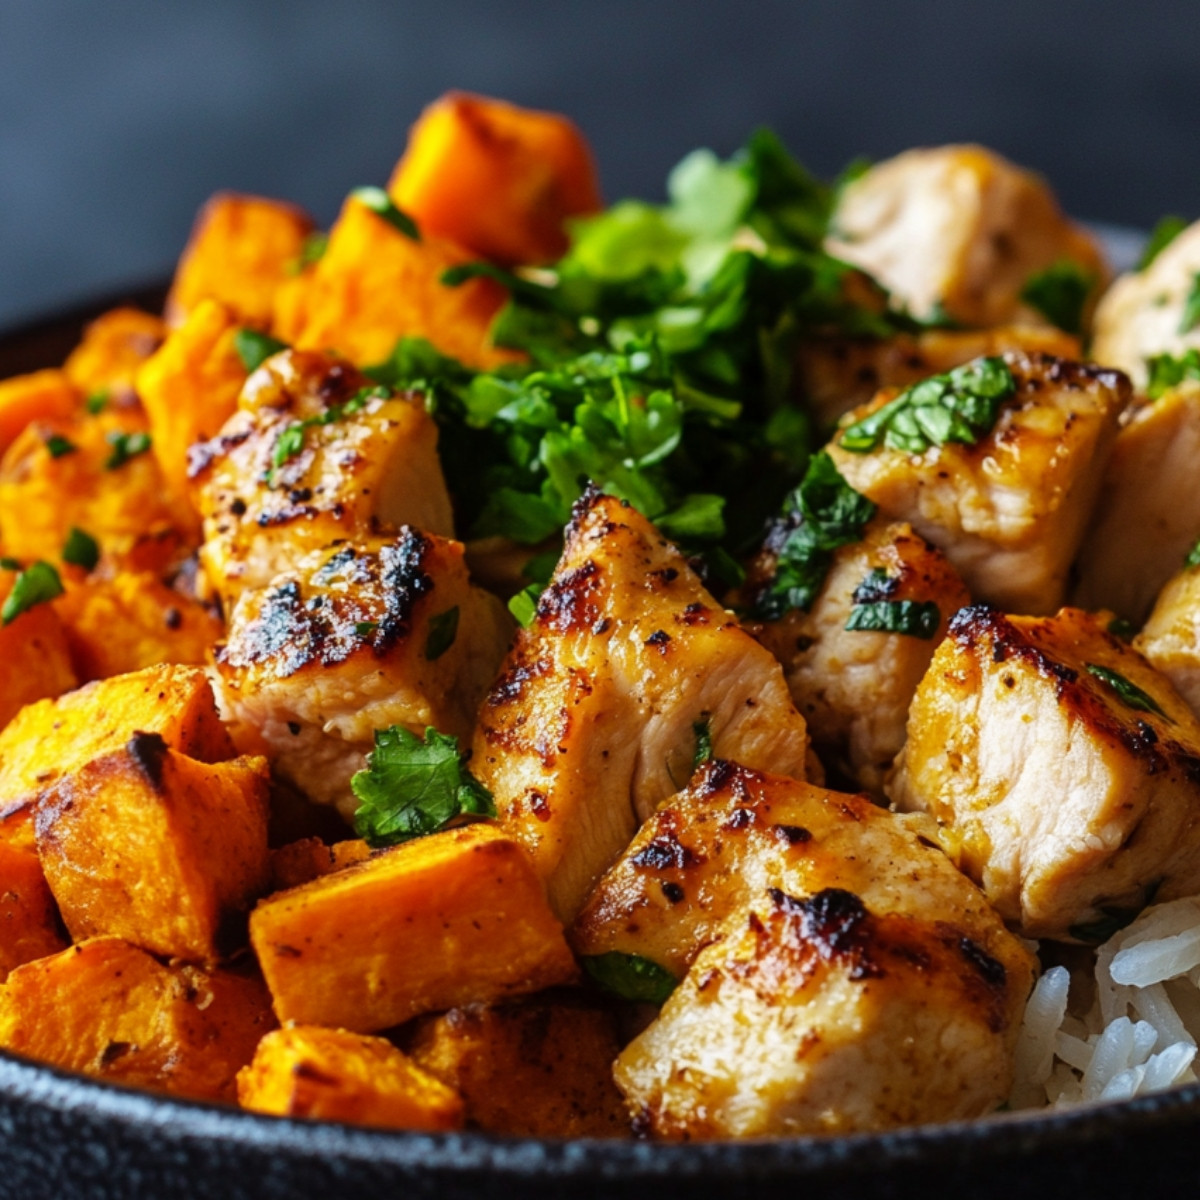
(70, 1138)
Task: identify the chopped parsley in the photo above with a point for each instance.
(125, 446)
(820, 515)
(254, 347)
(1167, 371)
(36, 584)
(630, 976)
(1163, 234)
(413, 786)
(1121, 628)
(1190, 316)
(382, 205)
(96, 403)
(311, 252)
(1129, 693)
(57, 445)
(443, 629)
(959, 406)
(290, 442)
(1060, 293)
(81, 549)
(365, 629)
(523, 605)
(873, 610)
(702, 729)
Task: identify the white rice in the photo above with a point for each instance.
(1130, 1031)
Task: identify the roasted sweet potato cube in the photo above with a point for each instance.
(448, 919)
(332, 1075)
(111, 1010)
(148, 845)
(36, 658)
(42, 395)
(190, 386)
(534, 168)
(112, 349)
(537, 1068)
(29, 926)
(240, 250)
(132, 621)
(375, 284)
(310, 858)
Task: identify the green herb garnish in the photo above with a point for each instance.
(630, 976)
(413, 786)
(57, 445)
(910, 617)
(96, 403)
(1163, 234)
(702, 729)
(523, 605)
(290, 441)
(81, 549)
(124, 447)
(1167, 371)
(311, 252)
(365, 629)
(959, 406)
(1121, 628)
(254, 348)
(1190, 316)
(36, 584)
(382, 205)
(1130, 694)
(443, 629)
(1060, 294)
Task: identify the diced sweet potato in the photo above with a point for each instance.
(375, 285)
(310, 858)
(110, 1010)
(332, 1075)
(190, 386)
(43, 395)
(148, 845)
(119, 625)
(16, 825)
(540, 1068)
(33, 649)
(29, 927)
(452, 918)
(240, 250)
(112, 349)
(534, 168)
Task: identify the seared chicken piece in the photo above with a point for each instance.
(628, 666)
(844, 976)
(316, 452)
(1143, 313)
(1010, 510)
(1170, 639)
(1148, 514)
(835, 375)
(850, 676)
(352, 639)
(959, 231)
(1067, 766)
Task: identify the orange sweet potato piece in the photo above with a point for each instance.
(118, 625)
(534, 169)
(111, 1010)
(43, 395)
(35, 654)
(190, 386)
(332, 1075)
(113, 346)
(448, 919)
(29, 927)
(154, 847)
(374, 285)
(538, 1068)
(310, 858)
(240, 250)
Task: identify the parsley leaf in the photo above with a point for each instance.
(57, 445)
(1163, 234)
(97, 402)
(1060, 294)
(254, 348)
(382, 205)
(413, 786)
(1167, 371)
(1122, 628)
(311, 252)
(290, 442)
(124, 447)
(523, 605)
(1190, 317)
(1129, 693)
(443, 629)
(630, 976)
(36, 584)
(910, 617)
(704, 741)
(364, 629)
(81, 549)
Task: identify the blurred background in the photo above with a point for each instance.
(117, 119)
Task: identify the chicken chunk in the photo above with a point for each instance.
(854, 660)
(1148, 514)
(957, 231)
(1143, 313)
(1066, 765)
(1170, 639)
(315, 453)
(842, 975)
(597, 715)
(355, 638)
(1010, 509)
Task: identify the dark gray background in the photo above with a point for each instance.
(118, 118)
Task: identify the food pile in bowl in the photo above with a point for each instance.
(710, 669)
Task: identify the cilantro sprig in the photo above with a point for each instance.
(874, 611)
(1167, 371)
(35, 584)
(255, 347)
(413, 786)
(290, 442)
(1161, 236)
(125, 446)
(81, 549)
(1127, 692)
(630, 976)
(1060, 293)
